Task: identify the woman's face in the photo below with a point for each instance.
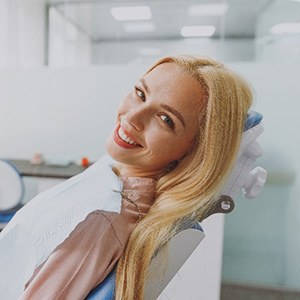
(156, 122)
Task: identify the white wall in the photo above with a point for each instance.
(60, 112)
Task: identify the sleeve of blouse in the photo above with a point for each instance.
(79, 264)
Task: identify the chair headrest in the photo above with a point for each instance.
(243, 175)
(253, 118)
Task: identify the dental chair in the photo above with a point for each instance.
(242, 177)
(11, 191)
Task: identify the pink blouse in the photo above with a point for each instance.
(93, 248)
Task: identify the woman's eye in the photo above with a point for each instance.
(140, 94)
(168, 121)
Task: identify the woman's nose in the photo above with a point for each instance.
(137, 118)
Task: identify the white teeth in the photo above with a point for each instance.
(125, 138)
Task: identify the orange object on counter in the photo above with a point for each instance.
(85, 162)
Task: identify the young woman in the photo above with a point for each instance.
(176, 138)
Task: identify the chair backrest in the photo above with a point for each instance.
(170, 259)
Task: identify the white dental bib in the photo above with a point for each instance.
(47, 220)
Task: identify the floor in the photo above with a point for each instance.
(233, 291)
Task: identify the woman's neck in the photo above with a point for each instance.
(122, 170)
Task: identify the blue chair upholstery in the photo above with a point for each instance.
(105, 290)
(253, 118)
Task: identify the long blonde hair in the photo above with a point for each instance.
(187, 192)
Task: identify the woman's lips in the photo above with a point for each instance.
(123, 139)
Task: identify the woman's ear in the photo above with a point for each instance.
(172, 165)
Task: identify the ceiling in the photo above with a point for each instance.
(94, 18)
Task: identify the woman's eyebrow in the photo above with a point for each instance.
(165, 106)
(144, 84)
(174, 112)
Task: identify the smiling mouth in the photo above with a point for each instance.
(123, 140)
